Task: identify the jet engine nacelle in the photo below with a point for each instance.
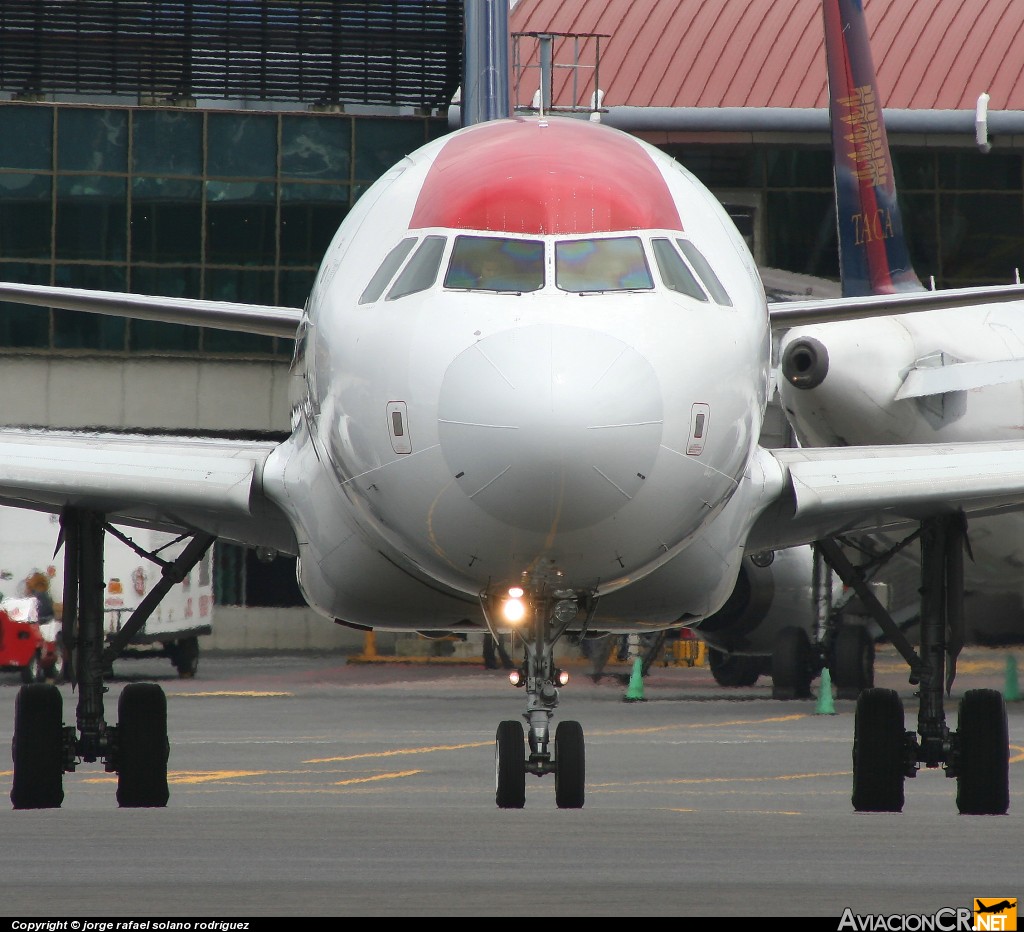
(773, 591)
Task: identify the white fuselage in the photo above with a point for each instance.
(872, 362)
(455, 440)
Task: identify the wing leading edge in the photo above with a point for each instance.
(268, 320)
(272, 320)
(825, 492)
(826, 310)
(170, 483)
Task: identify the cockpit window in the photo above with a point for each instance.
(601, 265)
(386, 271)
(706, 273)
(421, 272)
(675, 273)
(489, 263)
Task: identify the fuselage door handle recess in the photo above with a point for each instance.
(398, 426)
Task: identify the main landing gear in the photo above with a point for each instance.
(546, 619)
(136, 749)
(884, 754)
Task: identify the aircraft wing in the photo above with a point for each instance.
(170, 483)
(268, 320)
(272, 320)
(826, 310)
(824, 492)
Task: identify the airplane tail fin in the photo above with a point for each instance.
(873, 254)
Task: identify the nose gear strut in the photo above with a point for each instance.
(547, 621)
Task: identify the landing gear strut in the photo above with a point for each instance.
(548, 618)
(977, 754)
(136, 749)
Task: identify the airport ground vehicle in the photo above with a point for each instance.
(26, 645)
(132, 567)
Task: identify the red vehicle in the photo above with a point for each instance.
(27, 645)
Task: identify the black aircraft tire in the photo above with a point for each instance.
(853, 661)
(509, 766)
(142, 747)
(734, 671)
(570, 765)
(879, 768)
(983, 769)
(791, 664)
(38, 748)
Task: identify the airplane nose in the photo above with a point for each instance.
(550, 428)
(805, 363)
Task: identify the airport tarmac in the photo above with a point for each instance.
(304, 785)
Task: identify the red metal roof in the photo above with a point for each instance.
(938, 54)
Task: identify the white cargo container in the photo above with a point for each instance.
(27, 542)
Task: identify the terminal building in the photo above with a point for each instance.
(210, 148)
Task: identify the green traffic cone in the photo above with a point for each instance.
(825, 704)
(1012, 691)
(635, 691)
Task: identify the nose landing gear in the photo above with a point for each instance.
(547, 619)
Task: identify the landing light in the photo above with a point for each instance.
(515, 592)
(563, 677)
(514, 610)
(514, 678)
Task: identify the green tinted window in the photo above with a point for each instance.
(240, 223)
(316, 147)
(721, 166)
(980, 238)
(248, 287)
(166, 220)
(154, 335)
(26, 136)
(294, 286)
(92, 140)
(91, 217)
(381, 143)
(799, 168)
(25, 216)
(167, 142)
(915, 171)
(241, 145)
(78, 330)
(994, 171)
(310, 214)
(920, 229)
(22, 326)
(801, 232)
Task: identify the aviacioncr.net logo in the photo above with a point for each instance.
(947, 919)
(994, 914)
